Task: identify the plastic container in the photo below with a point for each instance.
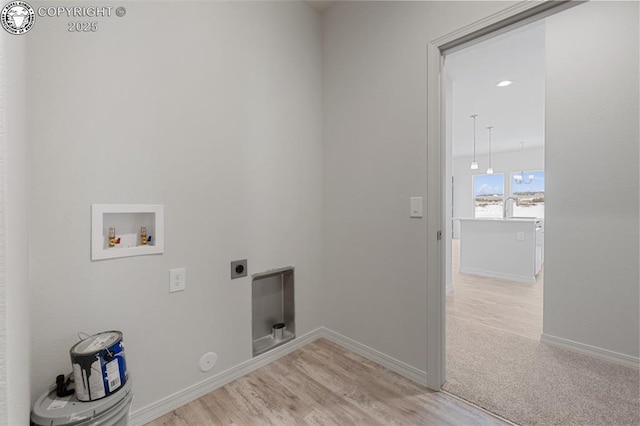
(113, 410)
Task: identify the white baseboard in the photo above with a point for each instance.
(405, 370)
(449, 287)
(166, 405)
(492, 274)
(604, 354)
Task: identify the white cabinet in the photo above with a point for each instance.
(511, 249)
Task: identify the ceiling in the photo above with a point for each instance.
(516, 112)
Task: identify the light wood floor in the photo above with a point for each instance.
(325, 384)
(504, 305)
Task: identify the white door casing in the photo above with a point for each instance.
(437, 212)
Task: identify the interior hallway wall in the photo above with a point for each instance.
(375, 158)
(212, 109)
(591, 291)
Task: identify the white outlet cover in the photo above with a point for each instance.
(207, 361)
(177, 280)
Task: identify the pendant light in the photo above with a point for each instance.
(474, 163)
(519, 179)
(490, 169)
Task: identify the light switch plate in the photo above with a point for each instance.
(416, 207)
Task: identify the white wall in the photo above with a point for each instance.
(375, 157)
(223, 125)
(16, 238)
(591, 262)
(216, 114)
(502, 162)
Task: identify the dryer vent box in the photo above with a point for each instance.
(272, 307)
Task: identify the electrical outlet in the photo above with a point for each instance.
(238, 268)
(177, 280)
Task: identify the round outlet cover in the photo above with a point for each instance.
(207, 361)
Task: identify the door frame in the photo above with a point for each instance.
(506, 20)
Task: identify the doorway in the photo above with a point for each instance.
(494, 93)
(439, 149)
(495, 106)
(565, 275)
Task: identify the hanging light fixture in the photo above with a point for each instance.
(474, 163)
(519, 179)
(490, 169)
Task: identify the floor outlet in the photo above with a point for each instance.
(177, 280)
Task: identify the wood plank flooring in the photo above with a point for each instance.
(325, 384)
(504, 305)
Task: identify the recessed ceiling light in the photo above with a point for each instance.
(505, 83)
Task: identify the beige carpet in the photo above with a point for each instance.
(531, 383)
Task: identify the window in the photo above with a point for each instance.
(488, 193)
(528, 188)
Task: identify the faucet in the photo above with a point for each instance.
(505, 204)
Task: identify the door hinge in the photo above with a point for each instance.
(439, 235)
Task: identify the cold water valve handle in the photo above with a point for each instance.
(61, 387)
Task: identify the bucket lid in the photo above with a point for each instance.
(50, 410)
(96, 343)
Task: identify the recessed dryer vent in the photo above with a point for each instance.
(272, 307)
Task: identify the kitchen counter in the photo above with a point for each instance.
(510, 248)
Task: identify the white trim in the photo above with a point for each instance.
(502, 21)
(505, 20)
(449, 287)
(435, 223)
(600, 353)
(492, 274)
(405, 370)
(166, 405)
(481, 24)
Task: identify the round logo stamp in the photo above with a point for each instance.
(17, 17)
